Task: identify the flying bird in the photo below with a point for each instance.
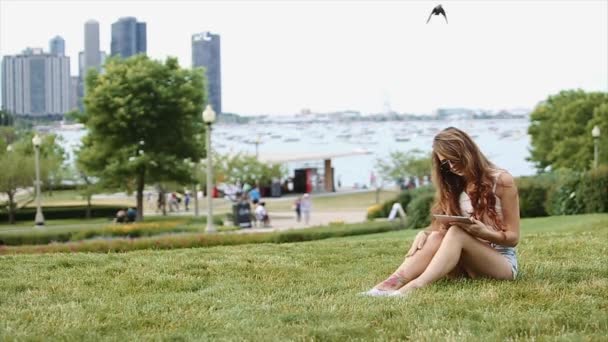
(437, 11)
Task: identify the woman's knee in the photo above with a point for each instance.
(435, 237)
(455, 232)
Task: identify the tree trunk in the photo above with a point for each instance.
(89, 206)
(140, 196)
(11, 207)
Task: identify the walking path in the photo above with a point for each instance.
(281, 221)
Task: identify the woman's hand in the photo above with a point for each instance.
(417, 244)
(478, 229)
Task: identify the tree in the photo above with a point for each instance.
(560, 129)
(17, 172)
(6, 119)
(404, 164)
(142, 118)
(17, 165)
(52, 157)
(243, 168)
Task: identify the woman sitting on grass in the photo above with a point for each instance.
(467, 184)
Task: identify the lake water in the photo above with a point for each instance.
(505, 142)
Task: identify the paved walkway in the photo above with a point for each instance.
(280, 221)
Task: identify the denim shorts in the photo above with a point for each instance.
(510, 255)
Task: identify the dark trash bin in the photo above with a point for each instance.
(275, 189)
(241, 212)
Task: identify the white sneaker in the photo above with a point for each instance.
(378, 293)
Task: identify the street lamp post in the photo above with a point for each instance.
(257, 144)
(595, 133)
(209, 118)
(39, 217)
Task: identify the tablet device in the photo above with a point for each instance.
(449, 219)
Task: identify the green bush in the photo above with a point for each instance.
(404, 197)
(185, 240)
(419, 210)
(62, 212)
(579, 192)
(594, 191)
(561, 199)
(155, 226)
(533, 195)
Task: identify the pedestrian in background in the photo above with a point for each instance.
(297, 207)
(306, 207)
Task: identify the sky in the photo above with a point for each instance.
(281, 56)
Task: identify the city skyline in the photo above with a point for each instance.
(280, 58)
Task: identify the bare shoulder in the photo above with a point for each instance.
(505, 179)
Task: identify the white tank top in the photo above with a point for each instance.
(466, 208)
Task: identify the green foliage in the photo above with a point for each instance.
(594, 190)
(6, 119)
(560, 130)
(419, 211)
(63, 212)
(143, 118)
(231, 168)
(579, 192)
(533, 192)
(109, 229)
(400, 165)
(404, 197)
(16, 171)
(17, 166)
(177, 240)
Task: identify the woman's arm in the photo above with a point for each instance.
(509, 198)
(507, 192)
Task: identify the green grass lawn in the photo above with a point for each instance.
(308, 291)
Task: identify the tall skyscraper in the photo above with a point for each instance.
(57, 46)
(35, 83)
(206, 53)
(128, 37)
(91, 47)
(74, 92)
(90, 58)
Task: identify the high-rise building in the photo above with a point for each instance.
(35, 83)
(91, 57)
(128, 37)
(74, 92)
(57, 46)
(206, 53)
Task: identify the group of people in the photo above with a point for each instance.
(126, 215)
(173, 199)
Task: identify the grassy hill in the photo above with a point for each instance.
(308, 291)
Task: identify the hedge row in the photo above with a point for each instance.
(557, 193)
(405, 197)
(564, 193)
(158, 226)
(173, 241)
(62, 212)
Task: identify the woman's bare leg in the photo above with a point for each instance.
(413, 265)
(475, 256)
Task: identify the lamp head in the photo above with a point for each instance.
(595, 132)
(208, 115)
(36, 141)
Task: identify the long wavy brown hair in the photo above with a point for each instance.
(477, 175)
